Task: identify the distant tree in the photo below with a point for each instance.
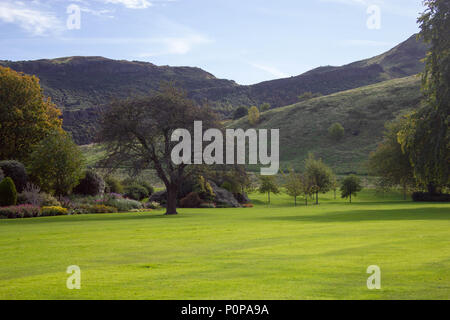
(8, 193)
(56, 164)
(268, 185)
(137, 134)
(389, 162)
(350, 186)
(308, 96)
(264, 107)
(16, 171)
(426, 137)
(336, 131)
(308, 187)
(240, 113)
(26, 117)
(253, 115)
(318, 174)
(294, 185)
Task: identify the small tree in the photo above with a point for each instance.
(56, 164)
(319, 175)
(350, 186)
(334, 185)
(294, 185)
(264, 107)
(336, 131)
(91, 185)
(268, 185)
(253, 115)
(240, 113)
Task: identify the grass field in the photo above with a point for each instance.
(276, 252)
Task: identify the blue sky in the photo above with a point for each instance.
(248, 41)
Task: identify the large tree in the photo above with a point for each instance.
(137, 134)
(389, 162)
(426, 137)
(26, 117)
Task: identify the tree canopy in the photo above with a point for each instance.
(26, 116)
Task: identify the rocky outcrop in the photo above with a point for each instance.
(224, 197)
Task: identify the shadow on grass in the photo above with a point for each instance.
(423, 213)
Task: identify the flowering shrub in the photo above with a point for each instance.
(153, 205)
(101, 208)
(124, 205)
(53, 211)
(21, 211)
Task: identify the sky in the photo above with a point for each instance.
(248, 41)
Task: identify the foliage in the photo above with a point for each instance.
(227, 186)
(308, 96)
(124, 205)
(138, 133)
(428, 197)
(192, 200)
(268, 184)
(114, 185)
(26, 117)
(390, 162)
(16, 171)
(30, 195)
(350, 186)
(264, 107)
(336, 131)
(426, 137)
(240, 113)
(294, 185)
(147, 186)
(91, 185)
(319, 174)
(253, 116)
(204, 190)
(53, 211)
(136, 192)
(153, 205)
(21, 211)
(8, 193)
(100, 208)
(56, 164)
(1, 174)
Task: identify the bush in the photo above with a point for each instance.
(153, 205)
(91, 185)
(227, 186)
(22, 211)
(8, 193)
(113, 185)
(101, 208)
(204, 190)
(428, 197)
(147, 186)
(16, 171)
(30, 195)
(124, 205)
(336, 131)
(192, 200)
(53, 211)
(136, 192)
(1, 175)
(49, 201)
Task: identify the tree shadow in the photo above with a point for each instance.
(424, 213)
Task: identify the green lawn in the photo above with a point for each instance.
(276, 252)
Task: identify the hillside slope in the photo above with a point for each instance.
(362, 111)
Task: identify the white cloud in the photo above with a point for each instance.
(132, 4)
(271, 70)
(34, 21)
(175, 45)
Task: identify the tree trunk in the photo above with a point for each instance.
(404, 191)
(317, 197)
(350, 198)
(334, 194)
(306, 200)
(295, 201)
(268, 193)
(172, 192)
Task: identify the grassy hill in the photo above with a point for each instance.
(362, 111)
